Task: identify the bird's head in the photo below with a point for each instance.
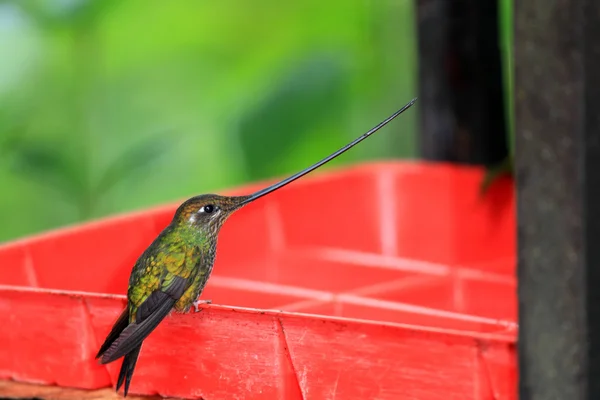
(208, 211)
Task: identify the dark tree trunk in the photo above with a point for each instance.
(557, 163)
(461, 82)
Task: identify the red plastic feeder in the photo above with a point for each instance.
(394, 280)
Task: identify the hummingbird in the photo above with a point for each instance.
(171, 273)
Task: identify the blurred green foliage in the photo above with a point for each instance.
(109, 106)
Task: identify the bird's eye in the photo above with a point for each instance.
(208, 209)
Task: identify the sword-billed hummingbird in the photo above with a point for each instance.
(172, 272)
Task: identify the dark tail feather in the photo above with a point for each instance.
(127, 368)
(134, 334)
(118, 327)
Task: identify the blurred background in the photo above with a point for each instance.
(109, 106)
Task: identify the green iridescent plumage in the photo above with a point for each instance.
(181, 251)
(172, 272)
(169, 275)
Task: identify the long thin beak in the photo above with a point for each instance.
(300, 174)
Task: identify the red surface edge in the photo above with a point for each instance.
(226, 352)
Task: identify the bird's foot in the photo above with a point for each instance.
(198, 302)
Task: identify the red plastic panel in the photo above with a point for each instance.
(17, 266)
(329, 212)
(462, 295)
(227, 353)
(460, 225)
(214, 354)
(309, 270)
(97, 257)
(47, 338)
(413, 248)
(372, 309)
(345, 360)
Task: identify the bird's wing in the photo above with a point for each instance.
(116, 330)
(156, 285)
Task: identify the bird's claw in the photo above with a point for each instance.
(198, 302)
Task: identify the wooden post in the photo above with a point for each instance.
(557, 164)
